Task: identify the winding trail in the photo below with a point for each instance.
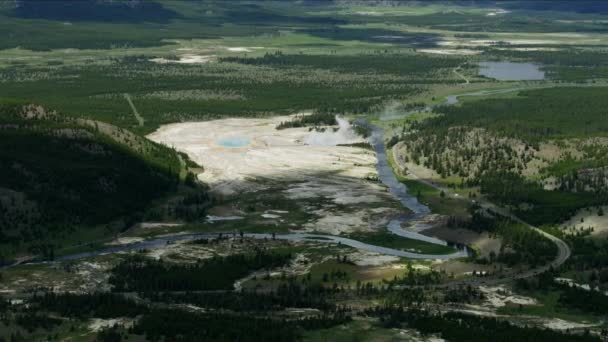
(138, 117)
(455, 70)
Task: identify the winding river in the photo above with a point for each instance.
(385, 175)
(168, 240)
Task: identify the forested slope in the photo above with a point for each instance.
(61, 175)
(542, 152)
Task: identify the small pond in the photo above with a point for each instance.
(233, 141)
(509, 71)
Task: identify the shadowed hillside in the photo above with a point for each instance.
(59, 175)
(94, 10)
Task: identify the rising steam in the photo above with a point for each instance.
(344, 135)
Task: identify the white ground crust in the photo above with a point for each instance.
(125, 241)
(560, 324)
(499, 296)
(364, 258)
(271, 154)
(307, 166)
(243, 48)
(186, 59)
(97, 324)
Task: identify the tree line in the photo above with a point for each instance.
(137, 273)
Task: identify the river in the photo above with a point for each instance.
(385, 175)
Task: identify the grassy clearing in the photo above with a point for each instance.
(332, 271)
(548, 308)
(328, 271)
(359, 330)
(26, 277)
(246, 226)
(397, 125)
(64, 331)
(397, 242)
(352, 273)
(84, 240)
(431, 196)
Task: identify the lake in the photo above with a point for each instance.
(509, 71)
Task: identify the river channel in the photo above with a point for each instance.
(385, 175)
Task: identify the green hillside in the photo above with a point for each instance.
(59, 176)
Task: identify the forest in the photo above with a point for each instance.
(156, 322)
(465, 327)
(217, 273)
(569, 296)
(534, 115)
(102, 305)
(520, 245)
(313, 120)
(489, 143)
(185, 326)
(385, 63)
(548, 206)
(164, 93)
(287, 295)
(114, 177)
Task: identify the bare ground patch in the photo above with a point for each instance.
(333, 183)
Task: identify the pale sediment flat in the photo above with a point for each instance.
(271, 153)
(247, 155)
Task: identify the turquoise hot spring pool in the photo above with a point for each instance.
(234, 141)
